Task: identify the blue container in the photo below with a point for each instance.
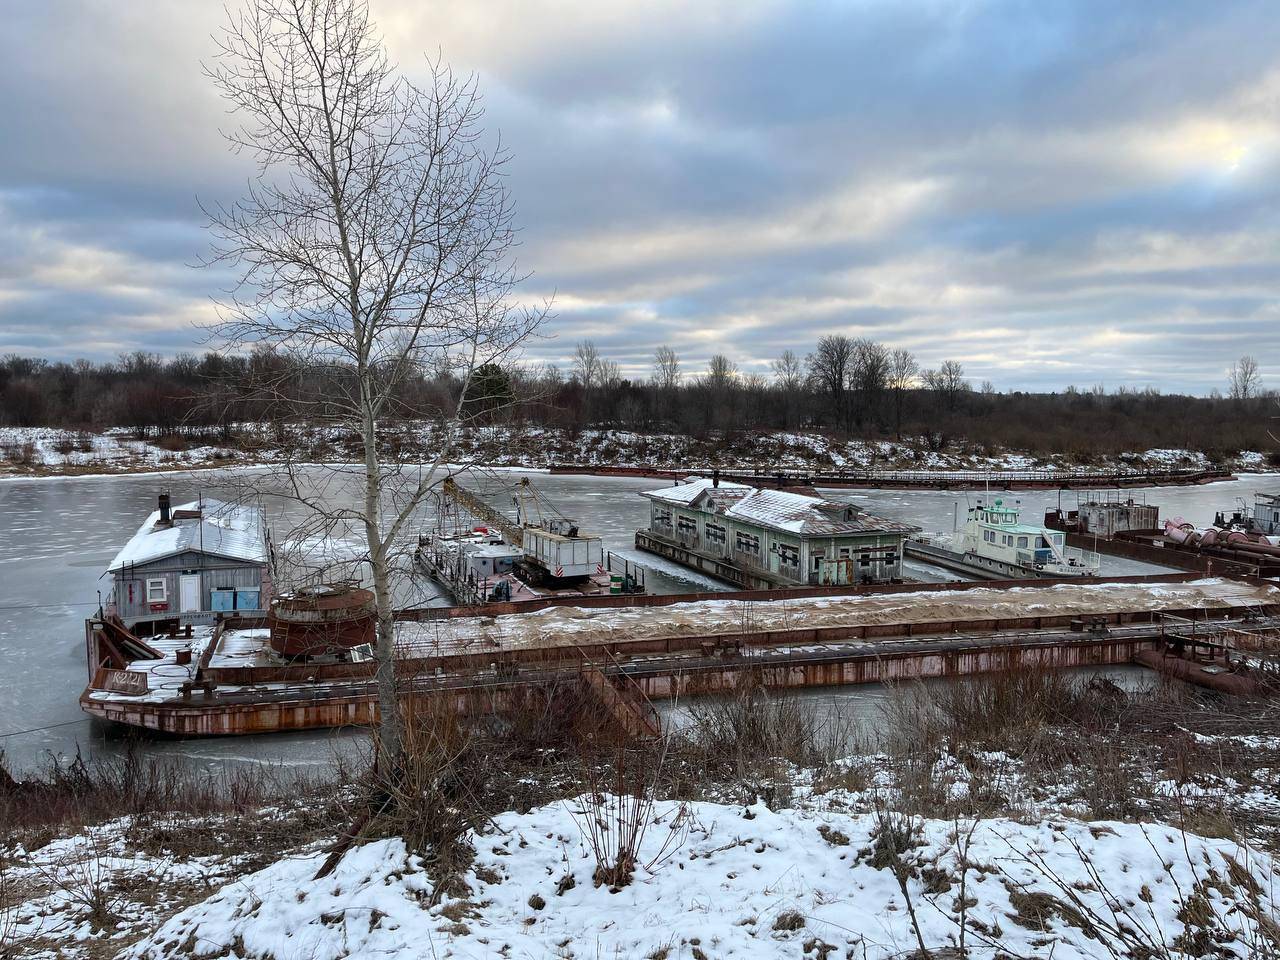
(248, 599)
(224, 599)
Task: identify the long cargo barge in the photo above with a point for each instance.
(226, 680)
(1002, 480)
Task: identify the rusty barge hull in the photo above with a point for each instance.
(919, 479)
(716, 665)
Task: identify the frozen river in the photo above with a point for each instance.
(57, 536)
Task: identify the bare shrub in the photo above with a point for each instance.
(86, 879)
(10, 899)
(433, 797)
(616, 812)
(172, 442)
(22, 454)
(740, 732)
(78, 792)
(65, 444)
(1124, 928)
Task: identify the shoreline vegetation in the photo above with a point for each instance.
(52, 452)
(1036, 813)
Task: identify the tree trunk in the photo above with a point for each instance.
(389, 740)
(388, 735)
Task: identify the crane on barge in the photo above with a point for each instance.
(540, 551)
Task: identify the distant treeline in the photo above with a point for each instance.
(846, 388)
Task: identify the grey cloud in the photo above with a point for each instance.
(1052, 192)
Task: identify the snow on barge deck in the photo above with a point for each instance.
(623, 650)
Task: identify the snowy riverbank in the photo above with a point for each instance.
(823, 877)
(52, 452)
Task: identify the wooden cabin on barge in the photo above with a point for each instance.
(760, 539)
(189, 563)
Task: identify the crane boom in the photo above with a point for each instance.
(511, 531)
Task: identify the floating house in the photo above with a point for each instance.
(762, 539)
(188, 563)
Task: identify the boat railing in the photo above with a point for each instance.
(1082, 558)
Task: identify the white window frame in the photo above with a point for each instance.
(163, 584)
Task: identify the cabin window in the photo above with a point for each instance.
(817, 560)
(715, 533)
(788, 557)
(157, 591)
(864, 559)
(844, 553)
(662, 518)
(748, 543)
(1022, 541)
(989, 536)
(686, 525)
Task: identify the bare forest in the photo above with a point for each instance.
(844, 388)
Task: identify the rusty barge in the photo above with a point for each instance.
(228, 679)
(874, 479)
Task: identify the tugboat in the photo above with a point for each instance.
(994, 543)
(1262, 521)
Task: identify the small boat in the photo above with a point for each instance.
(995, 543)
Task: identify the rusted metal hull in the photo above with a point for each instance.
(1193, 671)
(228, 700)
(354, 703)
(908, 663)
(935, 480)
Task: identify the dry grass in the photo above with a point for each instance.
(76, 792)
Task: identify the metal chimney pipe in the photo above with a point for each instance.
(165, 517)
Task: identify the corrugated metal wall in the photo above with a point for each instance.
(214, 572)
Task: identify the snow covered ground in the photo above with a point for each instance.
(716, 880)
(48, 450)
(818, 871)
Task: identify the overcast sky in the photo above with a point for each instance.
(1051, 193)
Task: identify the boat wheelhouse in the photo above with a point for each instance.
(754, 537)
(1265, 515)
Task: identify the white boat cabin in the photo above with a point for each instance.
(995, 532)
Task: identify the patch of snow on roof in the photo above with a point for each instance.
(230, 530)
(800, 513)
(685, 493)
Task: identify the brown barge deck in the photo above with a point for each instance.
(226, 680)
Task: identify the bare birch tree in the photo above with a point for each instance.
(1244, 378)
(375, 241)
(586, 364)
(903, 369)
(666, 368)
